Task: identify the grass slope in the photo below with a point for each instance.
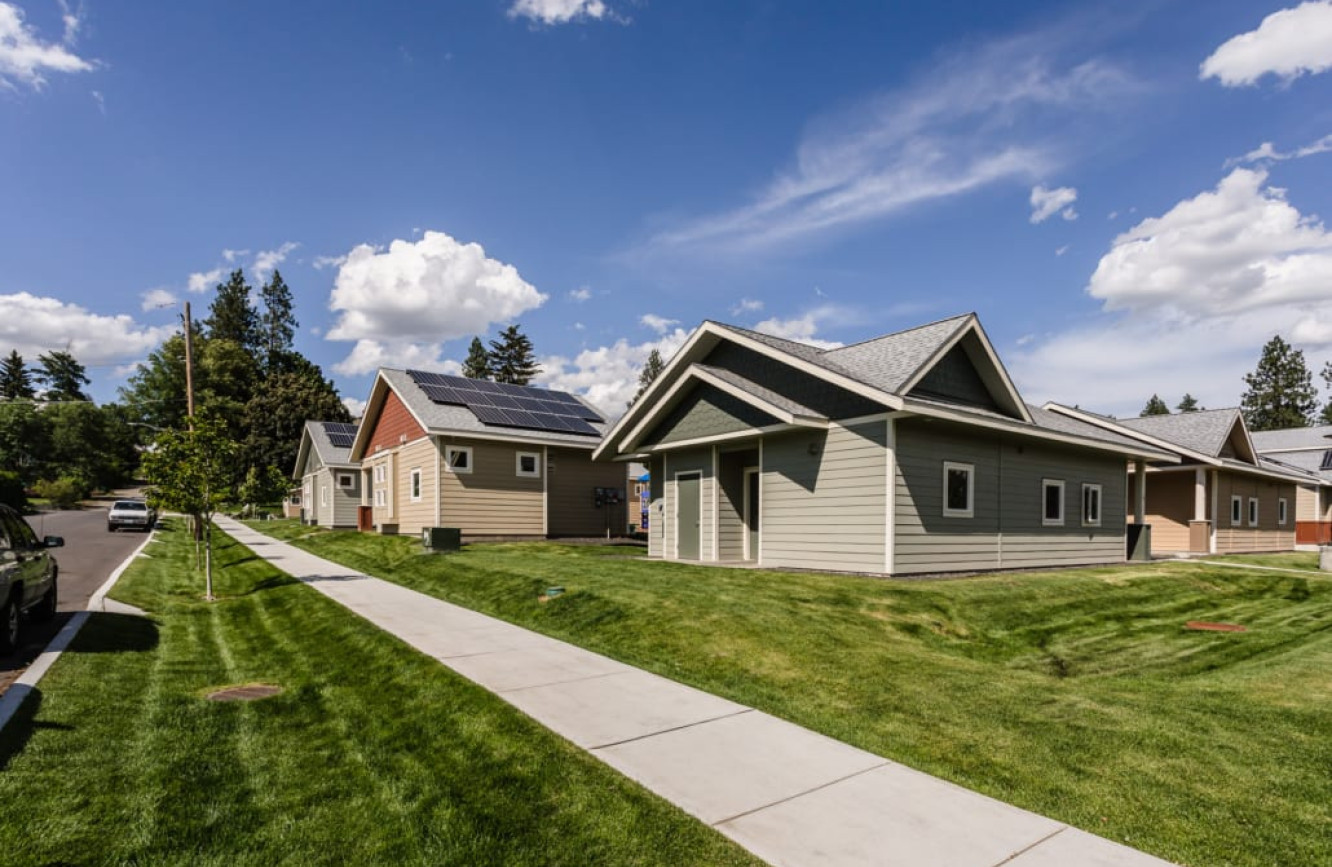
(374, 754)
(1076, 694)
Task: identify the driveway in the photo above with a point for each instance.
(87, 560)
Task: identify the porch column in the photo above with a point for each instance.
(1200, 494)
(1139, 491)
(1200, 529)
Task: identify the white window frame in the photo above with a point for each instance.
(346, 480)
(1282, 514)
(1089, 520)
(970, 470)
(381, 498)
(379, 474)
(536, 465)
(1253, 511)
(414, 484)
(323, 496)
(450, 452)
(1046, 485)
(307, 494)
(1236, 510)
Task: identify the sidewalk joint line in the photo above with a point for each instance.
(538, 685)
(689, 725)
(1019, 853)
(720, 822)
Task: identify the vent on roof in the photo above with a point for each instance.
(1327, 460)
(502, 405)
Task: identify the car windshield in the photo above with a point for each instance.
(128, 506)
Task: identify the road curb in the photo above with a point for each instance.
(19, 690)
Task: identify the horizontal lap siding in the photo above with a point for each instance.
(413, 516)
(1267, 535)
(492, 500)
(825, 510)
(571, 508)
(346, 501)
(730, 507)
(1006, 530)
(656, 507)
(688, 460)
(1170, 504)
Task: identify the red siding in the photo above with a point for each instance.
(393, 424)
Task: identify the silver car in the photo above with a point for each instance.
(27, 576)
(130, 515)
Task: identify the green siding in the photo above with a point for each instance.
(686, 460)
(707, 411)
(807, 390)
(954, 378)
(656, 506)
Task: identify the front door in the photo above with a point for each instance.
(688, 511)
(751, 514)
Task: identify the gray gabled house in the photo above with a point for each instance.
(330, 479)
(909, 453)
(1308, 449)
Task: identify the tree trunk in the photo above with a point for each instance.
(208, 559)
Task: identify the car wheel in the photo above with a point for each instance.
(110, 528)
(9, 624)
(46, 609)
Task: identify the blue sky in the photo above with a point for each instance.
(1129, 194)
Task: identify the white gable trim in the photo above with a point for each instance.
(973, 326)
(374, 409)
(1107, 424)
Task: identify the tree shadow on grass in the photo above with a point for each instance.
(116, 633)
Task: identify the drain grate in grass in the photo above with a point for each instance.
(1206, 626)
(248, 692)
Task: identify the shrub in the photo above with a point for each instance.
(11, 491)
(64, 493)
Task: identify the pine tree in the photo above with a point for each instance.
(512, 359)
(277, 324)
(1155, 406)
(62, 376)
(1188, 403)
(1280, 390)
(15, 378)
(477, 365)
(651, 370)
(232, 315)
(1326, 417)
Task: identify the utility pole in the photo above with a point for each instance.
(189, 367)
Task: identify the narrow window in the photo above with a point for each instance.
(1052, 496)
(416, 484)
(959, 490)
(528, 465)
(323, 495)
(1253, 511)
(1236, 510)
(1281, 511)
(458, 459)
(1091, 505)
(380, 499)
(379, 473)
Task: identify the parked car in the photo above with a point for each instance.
(130, 515)
(28, 576)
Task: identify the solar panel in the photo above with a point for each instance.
(505, 405)
(340, 434)
(1327, 461)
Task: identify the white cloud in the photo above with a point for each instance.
(100, 100)
(559, 11)
(802, 328)
(406, 301)
(232, 255)
(35, 325)
(25, 59)
(355, 406)
(322, 262)
(1046, 203)
(579, 295)
(1288, 43)
(155, 299)
(1267, 153)
(748, 305)
(1189, 298)
(1059, 251)
(202, 281)
(996, 113)
(608, 375)
(659, 324)
(266, 261)
(367, 356)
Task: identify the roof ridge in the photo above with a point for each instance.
(898, 333)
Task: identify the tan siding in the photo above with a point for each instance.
(825, 510)
(656, 509)
(1170, 502)
(388, 512)
(1267, 535)
(492, 500)
(571, 509)
(690, 460)
(1305, 507)
(413, 516)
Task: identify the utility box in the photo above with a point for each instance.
(441, 538)
(1139, 539)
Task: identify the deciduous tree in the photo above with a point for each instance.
(1280, 390)
(276, 414)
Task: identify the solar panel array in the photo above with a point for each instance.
(340, 434)
(504, 405)
(1327, 461)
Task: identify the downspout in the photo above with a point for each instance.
(999, 494)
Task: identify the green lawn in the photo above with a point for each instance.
(1287, 560)
(1078, 694)
(374, 754)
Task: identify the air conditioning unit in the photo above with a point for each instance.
(441, 538)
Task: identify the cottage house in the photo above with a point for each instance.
(330, 489)
(1308, 449)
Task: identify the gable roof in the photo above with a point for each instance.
(1317, 438)
(1205, 431)
(893, 360)
(445, 419)
(324, 438)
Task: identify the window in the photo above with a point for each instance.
(379, 473)
(305, 493)
(528, 465)
(458, 459)
(380, 499)
(346, 480)
(1091, 505)
(416, 484)
(1236, 509)
(323, 495)
(959, 489)
(1281, 511)
(1052, 499)
(1253, 511)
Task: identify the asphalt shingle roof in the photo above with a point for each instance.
(1205, 431)
(1294, 438)
(889, 362)
(775, 398)
(329, 454)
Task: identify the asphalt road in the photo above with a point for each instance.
(89, 557)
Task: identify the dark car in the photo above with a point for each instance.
(28, 575)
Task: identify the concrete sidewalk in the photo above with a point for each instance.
(787, 794)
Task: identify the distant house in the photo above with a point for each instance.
(1220, 495)
(1308, 449)
(906, 454)
(640, 497)
(330, 480)
(495, 461)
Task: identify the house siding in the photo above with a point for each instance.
(413, 516)
(1267, 535)
(572, 510)
(731, 467)
(707, 411)
(656, 506)
(1170, 504)
(1006, 529)
(394, 427)
(690, 460)
(954, 378)
(492, 500)
(825, 510)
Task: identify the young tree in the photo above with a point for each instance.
(155, 394)
(266, 485)
(1188, 403)
(1280, 390)
(15, 378)
(651, 370)
(277, 324)
(477, 365)
(191, 472)
(1155, 406)
(232, 316)
(62, 376)
(512, 359)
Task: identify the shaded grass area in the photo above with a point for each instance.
(373, 754)
(1077, 694)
